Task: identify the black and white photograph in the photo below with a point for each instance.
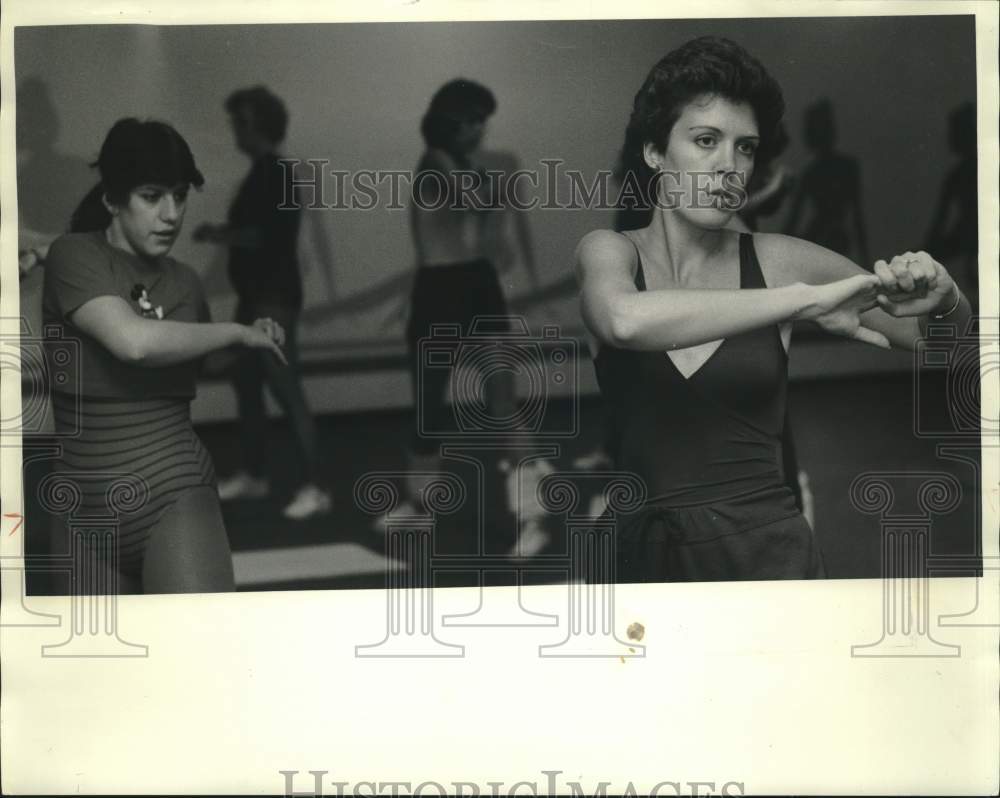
(406, 311)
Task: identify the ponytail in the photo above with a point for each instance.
(91, 214)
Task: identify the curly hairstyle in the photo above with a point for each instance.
(270, 116)
(456, 102)
(135, 153)
(706, 65)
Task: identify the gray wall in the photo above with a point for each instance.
(356, 93)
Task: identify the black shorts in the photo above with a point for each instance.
(455, 294)
(758, 536)
(465, 297)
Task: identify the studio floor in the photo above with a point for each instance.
(842, 430)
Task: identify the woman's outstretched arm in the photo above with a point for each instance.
(618, 314)
(147, 342)
(912, 286)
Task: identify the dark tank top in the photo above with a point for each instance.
(713, 436)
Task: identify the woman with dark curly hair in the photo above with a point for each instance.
(689, 324)
(142, 325)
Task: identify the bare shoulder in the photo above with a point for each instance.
(605, 246)
(785, 260)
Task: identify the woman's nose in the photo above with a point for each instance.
(170, 209)
(726, 160)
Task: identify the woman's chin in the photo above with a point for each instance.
(710, 218)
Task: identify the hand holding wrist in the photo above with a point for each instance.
(240, 334)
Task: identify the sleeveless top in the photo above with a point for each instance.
(713, 436)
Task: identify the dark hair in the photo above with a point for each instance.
(706, 65)
(270, 116)
(90, 215)
(135, 153)
(456, 102)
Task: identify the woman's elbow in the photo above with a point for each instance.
(132, 352)
(620, 327)
(130, 348)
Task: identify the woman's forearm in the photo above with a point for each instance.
(679, 318)
(165, 343)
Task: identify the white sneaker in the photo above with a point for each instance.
(598, 504)
(593, 461)
(243, 486)
(524, 503)
(530, 542)
(309, 501)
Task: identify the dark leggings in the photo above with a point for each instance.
(455, 295)
(256, 369)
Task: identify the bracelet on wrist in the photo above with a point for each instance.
(958, 301)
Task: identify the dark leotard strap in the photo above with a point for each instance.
(751, 275)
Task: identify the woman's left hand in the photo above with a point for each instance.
(273, 330)
(914, 284)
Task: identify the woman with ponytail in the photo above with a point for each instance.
(142, 325)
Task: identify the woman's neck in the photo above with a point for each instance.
(686, 247)
(116, 238)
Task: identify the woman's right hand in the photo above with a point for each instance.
(837, 307)
(266, 334)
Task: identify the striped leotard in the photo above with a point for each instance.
(130, 462)
(129, 450)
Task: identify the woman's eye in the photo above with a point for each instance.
(705, 141)
(748, 149)
(150, 197)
